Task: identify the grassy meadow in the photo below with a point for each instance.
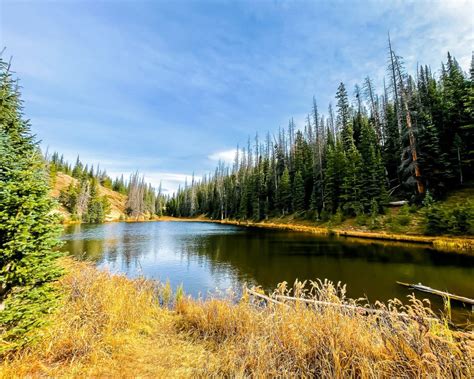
(108, 325)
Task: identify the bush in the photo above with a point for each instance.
(443, 220)
(361, 219)
(324, 215)
(337, 218)
(404, 210)
(403, 219)
(435, 220)
(413, 209)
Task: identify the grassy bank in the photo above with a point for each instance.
(112, 326)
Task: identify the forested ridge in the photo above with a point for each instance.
(82, 198)
(413, 141)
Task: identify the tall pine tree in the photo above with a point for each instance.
(28, 226)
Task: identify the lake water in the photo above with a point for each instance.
(204, 257)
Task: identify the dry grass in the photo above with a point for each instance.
(108, 326)
(115, 327)
(299, 340)
(116, 200)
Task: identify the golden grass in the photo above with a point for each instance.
(115, 327)
(297, 340)
(116, 200)
(109, 326)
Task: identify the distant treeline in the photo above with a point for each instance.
(414, 139)
(83, 200)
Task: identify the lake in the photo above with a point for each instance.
(205, 257)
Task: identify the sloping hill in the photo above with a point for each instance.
(116, 200)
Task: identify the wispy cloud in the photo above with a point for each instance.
(227, 156)
(166, 87)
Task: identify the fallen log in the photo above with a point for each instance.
(265, 297)
(397, 203)
(360, 310)
(421, 287)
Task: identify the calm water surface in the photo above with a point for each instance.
(205, 257)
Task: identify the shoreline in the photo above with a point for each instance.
(461, 245)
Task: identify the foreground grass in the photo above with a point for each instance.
(112, 326)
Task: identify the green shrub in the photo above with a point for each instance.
(361, 219)
(461, 219)
(458, 220)
(404, 210)
(403, 219)
(435, 220)
(337, 218)
(324, 215)
(413, 209)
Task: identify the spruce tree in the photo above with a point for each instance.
(351, 188)
(334, 175)
(343, 117)
(28, 225)
(97, 206)
(391, 150)
(284, 192)
(420, 135)
(298, 193)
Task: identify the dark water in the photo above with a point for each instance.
(205, 257)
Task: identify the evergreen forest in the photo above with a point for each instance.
(414, 142)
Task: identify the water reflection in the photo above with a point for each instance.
(205, 256)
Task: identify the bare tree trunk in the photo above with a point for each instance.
(395, 89)
(411, 135)
(83, 199)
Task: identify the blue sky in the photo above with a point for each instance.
(171, 87)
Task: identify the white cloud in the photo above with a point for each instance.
(170, 181)
(226, 156)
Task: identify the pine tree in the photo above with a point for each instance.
(372, 176)
(97, 206)
(334, 175)
(351, 188)
(284, 192)
(420, 136)
(298, 193)
(244, 209)
(343, 117)
(77, 171)
(28, 227)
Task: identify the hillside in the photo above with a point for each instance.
(116, 200)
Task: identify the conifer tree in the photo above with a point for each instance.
(298, 193)
(351, 187)
(28, 227)
(343, 117)
(284, 192)
(352, 165)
